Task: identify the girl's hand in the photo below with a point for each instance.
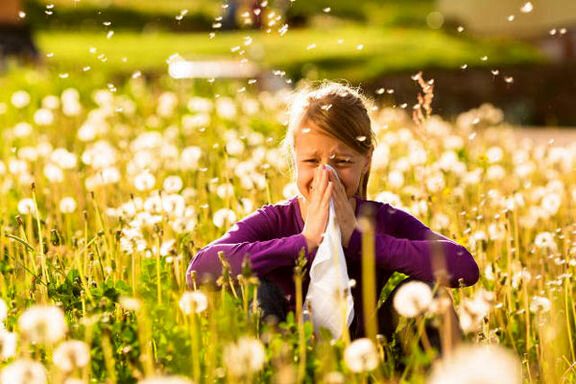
(317, 208)
(343, 206)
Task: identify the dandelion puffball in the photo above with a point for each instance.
(193, 302)
(245, 356)
(222, 216)
(71, 355)
(67, 205)
(361, 355)
(43, 323)
(413, 298)
(165, 380)
(478, 364)
(3, 310)
(24, 371)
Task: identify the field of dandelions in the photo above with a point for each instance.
(106, 192)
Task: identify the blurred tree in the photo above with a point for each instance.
(15, 35)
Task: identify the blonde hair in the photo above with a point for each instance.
(339, 111)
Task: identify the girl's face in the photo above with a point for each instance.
(313, 148)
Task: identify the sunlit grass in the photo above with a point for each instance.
(354, 53)
(158, 170)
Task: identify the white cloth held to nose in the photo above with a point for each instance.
(328, 291)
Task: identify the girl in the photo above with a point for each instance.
(331, 125)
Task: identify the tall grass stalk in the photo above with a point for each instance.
(369, 300)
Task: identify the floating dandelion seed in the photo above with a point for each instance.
(234, 49)
(552, 32)
(484, 58)
(282, 31)
(361, 138)
(109, 34)
(527, 7)
(247, 40)
(136, 74)
(360, 47)
(311, 46)
(460, 29)
(389, 91)
(511, 18)
(464, 66)
(509, 79)
(404, 105)
(216, 25)
(495, 72)
(92, 50)
(563, 31)
(252, 81)
(211, 35)
(63, 75)
(21, 14)
(86, 68)
(107, 23)
(50, 54)
(327, 10)
(380, 91)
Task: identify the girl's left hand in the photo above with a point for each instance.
(343, 206)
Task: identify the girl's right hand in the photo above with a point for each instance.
(317, 208)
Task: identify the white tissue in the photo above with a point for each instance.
(329, 281)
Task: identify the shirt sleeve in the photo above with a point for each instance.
(410, 248)
(250, 236)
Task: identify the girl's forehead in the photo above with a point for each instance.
(316, 143)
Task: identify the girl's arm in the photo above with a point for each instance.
(253, 236)
(411, 248)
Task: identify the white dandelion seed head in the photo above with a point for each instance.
(70, 355)
(413, 298)
(129, 303)
(468, 365)
(245, 356)
(361, 356)
(172, 184)
(51, 102)
(166, 380)
(63, 158)
(53, 173)
(43, 116)
(26, 207)
(222, 216)
(539, 304)
(545, 240)
(20, 99)
(144, 181)
(43, 324)
(196, 302)
(3, 310)
(24, 371)
(68, 205)
(21, 130)
(8, 343)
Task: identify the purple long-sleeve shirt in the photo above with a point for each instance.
(272, 237)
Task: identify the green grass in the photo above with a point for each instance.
(384, 51)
